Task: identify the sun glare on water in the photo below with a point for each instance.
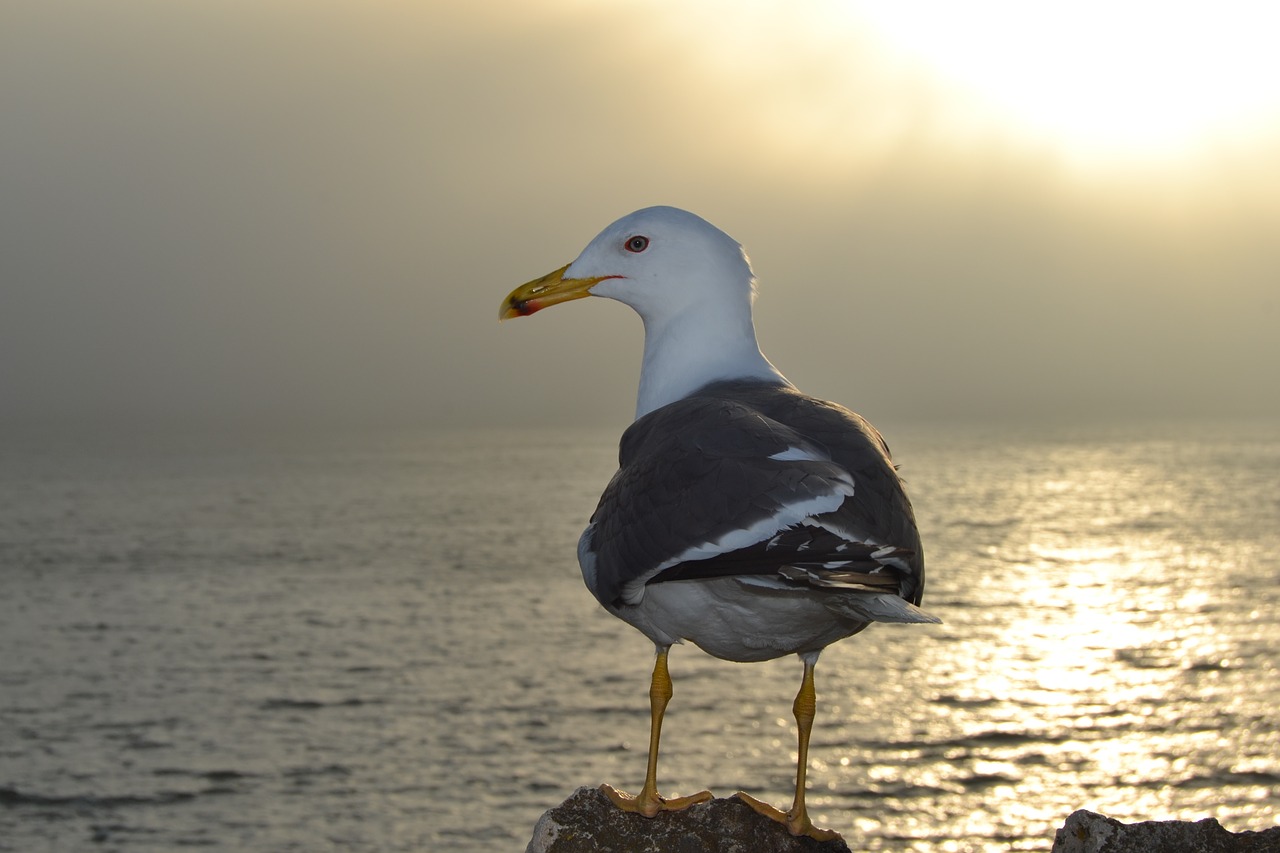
(1098, 78)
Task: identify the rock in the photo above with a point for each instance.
(1087, 832)
(588, 822)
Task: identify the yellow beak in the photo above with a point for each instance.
(552, 289)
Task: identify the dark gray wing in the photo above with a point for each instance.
(878, 521)
(748, 478)
(696, 479)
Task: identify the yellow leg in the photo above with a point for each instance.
(797, 820)
(648, 802)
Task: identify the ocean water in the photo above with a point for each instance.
(381, 642)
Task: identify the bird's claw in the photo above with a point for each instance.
(649, 803)
(796, 824)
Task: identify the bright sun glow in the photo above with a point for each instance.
(1099, 78)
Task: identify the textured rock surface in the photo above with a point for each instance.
(1087, 832)
(588, 822)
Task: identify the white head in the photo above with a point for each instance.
(663, 260)
(691, 284)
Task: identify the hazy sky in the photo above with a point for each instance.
(315, 207)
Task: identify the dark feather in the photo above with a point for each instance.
(692, 472)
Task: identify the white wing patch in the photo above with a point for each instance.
(889, 555)
(800, 454)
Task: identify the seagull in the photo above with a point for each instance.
(745, 517)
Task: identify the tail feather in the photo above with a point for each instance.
(878, 607)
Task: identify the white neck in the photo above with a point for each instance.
(684, 352)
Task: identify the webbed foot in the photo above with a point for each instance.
(796, 824)
(649, 803)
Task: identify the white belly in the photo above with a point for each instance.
(735, 621)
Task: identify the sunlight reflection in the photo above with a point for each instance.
(1083, 665)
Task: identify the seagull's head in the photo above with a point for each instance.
(661, 261)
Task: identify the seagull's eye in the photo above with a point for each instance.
(637, 244)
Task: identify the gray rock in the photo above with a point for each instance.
(588, 822)
(1087, 832)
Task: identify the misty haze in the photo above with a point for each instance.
(1035, 244)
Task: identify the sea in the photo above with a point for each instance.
(379, 640)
